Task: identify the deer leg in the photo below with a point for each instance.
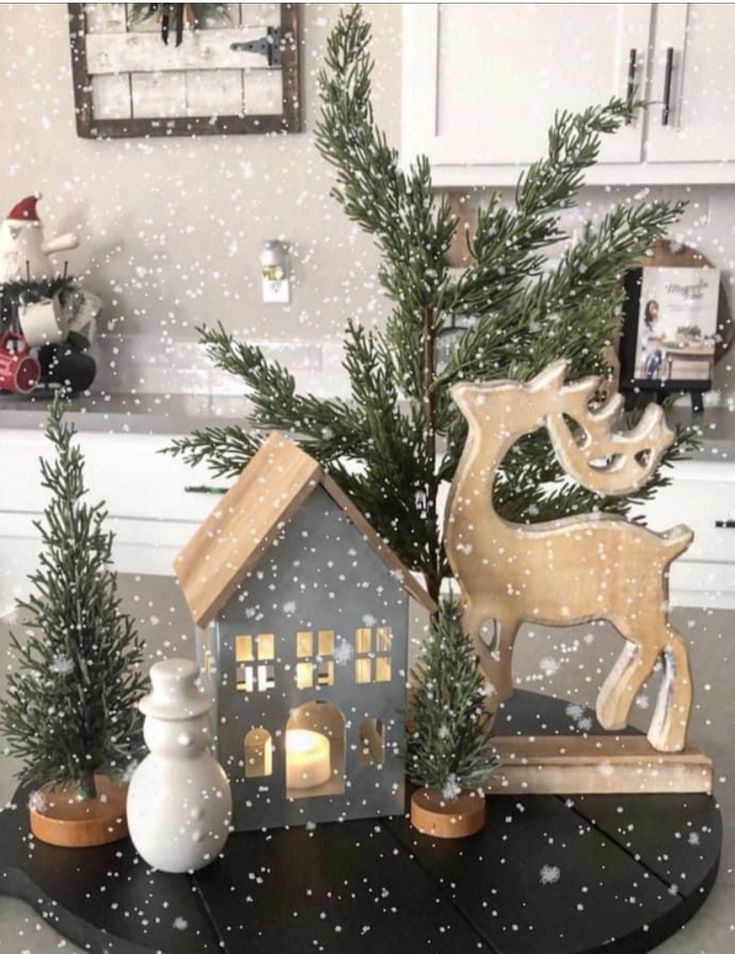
(623, 683)
(501, 671)
(668, 729)
(496, 661)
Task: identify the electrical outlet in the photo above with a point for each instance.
(276, 292)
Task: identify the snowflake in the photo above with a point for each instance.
(289, 608)
(62, 665)
(343, 653)
(369, 620)
(181, 924)
(549, 666)
(37, 802)
(443, 732)
(605, 769)
(585, 724)
(642, 702)
(574, 711)
(693, 838)
(451, 788)
(549, 874)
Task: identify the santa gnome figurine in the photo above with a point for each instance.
(24, 255)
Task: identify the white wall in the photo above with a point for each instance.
(171, 229)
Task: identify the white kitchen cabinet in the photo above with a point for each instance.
(692, 65)
(481, 83)
(701, 495)
(150, 510)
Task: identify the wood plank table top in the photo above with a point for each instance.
(602, 874)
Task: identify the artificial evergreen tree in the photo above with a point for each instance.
(398, 440)
(70, 708)
(450, 741)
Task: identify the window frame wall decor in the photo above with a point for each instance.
(92, 126)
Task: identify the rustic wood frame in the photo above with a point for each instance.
(89, 127)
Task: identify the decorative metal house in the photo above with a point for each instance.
(303, 629)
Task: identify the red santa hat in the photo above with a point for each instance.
(25, 210)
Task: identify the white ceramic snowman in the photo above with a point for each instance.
(24, 252)
(179, 801)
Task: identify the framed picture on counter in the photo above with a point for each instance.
(670, 329)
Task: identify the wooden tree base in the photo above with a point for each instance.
(431, 815)
(70, 822)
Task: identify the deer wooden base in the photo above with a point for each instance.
(596, 765)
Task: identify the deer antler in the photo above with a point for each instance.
(597, 456)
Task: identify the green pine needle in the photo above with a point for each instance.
(381, 446)
(450, 745)
(71, 703)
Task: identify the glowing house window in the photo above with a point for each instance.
(258, 753)
(373, 654)
(255, 662)
(372, 742)
(315, 658)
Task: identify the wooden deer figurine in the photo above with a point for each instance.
(576, 569)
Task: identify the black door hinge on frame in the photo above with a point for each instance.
(268, 46)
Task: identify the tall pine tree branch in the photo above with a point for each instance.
(396, 441)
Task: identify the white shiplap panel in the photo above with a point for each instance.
(111, 96)
(260, 14)
(159, 94)
(227, 15)
(105, 17)
(143, 52)
(149, 25)
(263, 92)
(214, 92)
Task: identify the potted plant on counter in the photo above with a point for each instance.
(70, 712)
(450, 743)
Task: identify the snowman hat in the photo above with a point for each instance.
(25, 210)
(175, 695)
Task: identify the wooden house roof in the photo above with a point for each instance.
(238, 531)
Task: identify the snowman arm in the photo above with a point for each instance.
(60, 243)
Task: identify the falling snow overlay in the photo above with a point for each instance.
(391, 311)
(549, 874)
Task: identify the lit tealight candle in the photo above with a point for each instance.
(307, 759)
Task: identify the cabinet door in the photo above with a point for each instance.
(481, 82)
(694, 59)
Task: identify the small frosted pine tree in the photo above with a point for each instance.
(70, 708)
(450, 741)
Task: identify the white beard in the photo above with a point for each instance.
(21, 243)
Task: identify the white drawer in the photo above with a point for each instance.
(125, 470)
(702, 496)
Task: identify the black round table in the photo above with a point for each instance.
(547, 875)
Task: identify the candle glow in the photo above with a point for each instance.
(307, 759)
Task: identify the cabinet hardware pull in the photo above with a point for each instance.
(725, 524)
(630, 91)
(668, 76)
(205, 490)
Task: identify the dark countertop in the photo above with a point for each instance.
(128, 413)
(181, 413)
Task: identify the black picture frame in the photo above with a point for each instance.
(640, 390)
(91, 127)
